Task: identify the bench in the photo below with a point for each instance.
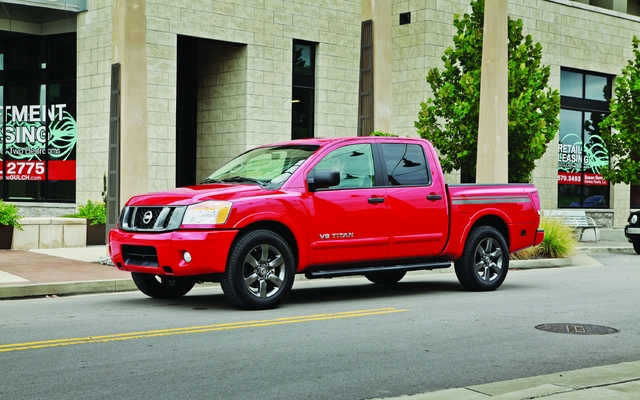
(576, 219)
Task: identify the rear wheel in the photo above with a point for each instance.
(162, 287)
(386, 278)
(485, 261)
(260, 271)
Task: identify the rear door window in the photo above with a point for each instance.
(406, 165)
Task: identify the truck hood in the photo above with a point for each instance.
(196, 194)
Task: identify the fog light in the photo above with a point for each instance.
(186, 256)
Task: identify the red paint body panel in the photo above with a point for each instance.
(381, 224)
(208, 249)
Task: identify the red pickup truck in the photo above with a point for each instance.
(372, 206)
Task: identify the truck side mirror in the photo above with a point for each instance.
(323, 179)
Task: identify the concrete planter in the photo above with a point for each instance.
(50, 233)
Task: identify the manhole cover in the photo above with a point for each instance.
(577, 329)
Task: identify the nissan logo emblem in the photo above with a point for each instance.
(146, 218)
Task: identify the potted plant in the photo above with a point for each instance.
(9, 218)
(96, 214)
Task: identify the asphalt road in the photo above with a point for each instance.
(331, 339)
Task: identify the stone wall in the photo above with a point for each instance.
(94, 43)
(572, 35)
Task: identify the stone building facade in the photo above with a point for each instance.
(200, 81)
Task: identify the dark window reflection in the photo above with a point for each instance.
(406, 164)
(302, 113)
(570, 84)
(596, 88)
(303, 90)
(302, 60)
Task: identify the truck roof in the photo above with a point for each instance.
(329, 140)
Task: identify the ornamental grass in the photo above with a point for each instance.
(559, 242)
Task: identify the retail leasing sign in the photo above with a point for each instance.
(38, 143)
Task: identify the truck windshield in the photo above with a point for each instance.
(266, 166)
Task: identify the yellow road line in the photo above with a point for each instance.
(194, 329)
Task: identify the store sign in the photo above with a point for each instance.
(580, 164)
(29, 141)
(576, 178)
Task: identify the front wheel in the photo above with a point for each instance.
(386, 278)
(636, 247)
(162, 287)
(485, 261)
(260, 271)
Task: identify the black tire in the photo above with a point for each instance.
(260, 271)
(162, 287)
(485, 261)
(636, 247)
(386, 278)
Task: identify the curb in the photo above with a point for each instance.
(541, 263)
(66, 288)
(600, 250)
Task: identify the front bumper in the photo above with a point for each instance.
(163, 253)
(632, 233)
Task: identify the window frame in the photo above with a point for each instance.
(587, 108)
(303, 109)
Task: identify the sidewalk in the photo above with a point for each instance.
(67, 271)
(63, 271)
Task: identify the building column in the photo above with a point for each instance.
(379, 11)
(493, 149)
(620, 6)
(129, 50)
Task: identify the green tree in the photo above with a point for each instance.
(620, 130)
(450, 119)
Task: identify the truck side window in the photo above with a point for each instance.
(406, 165)
(355, 164)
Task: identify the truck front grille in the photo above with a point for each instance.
(151, 218)
(146, 217)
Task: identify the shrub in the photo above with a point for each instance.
(559, 242)
(9, 214)
(94, 211)
(559, 239)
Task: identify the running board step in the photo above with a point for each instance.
(331, 273)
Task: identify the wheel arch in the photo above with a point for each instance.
(496, 222)
(458, 239)
(277, 227)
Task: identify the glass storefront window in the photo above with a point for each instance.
(37, 156)
(581, 151)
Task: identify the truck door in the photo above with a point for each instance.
(416, 201)
(348, 222)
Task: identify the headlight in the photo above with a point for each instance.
(207, 213)
(634, 219)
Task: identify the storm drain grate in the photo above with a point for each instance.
(577, 329)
